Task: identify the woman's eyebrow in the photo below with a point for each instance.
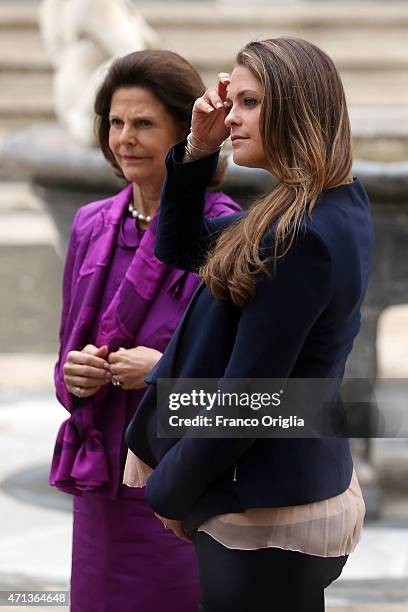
(136, 116)
(245, 92)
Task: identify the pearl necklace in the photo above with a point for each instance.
(138, 215)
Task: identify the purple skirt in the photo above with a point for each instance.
(124, 560)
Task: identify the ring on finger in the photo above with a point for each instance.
(78, 391)
(116, 382)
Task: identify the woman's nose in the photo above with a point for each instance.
(231, 119)
(127, 135)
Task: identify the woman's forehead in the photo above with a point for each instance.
(243, 79)
(137, 99)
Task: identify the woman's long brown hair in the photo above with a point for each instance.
(306, 136)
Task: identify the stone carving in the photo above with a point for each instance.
(82, 37)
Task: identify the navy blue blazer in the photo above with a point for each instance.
(301, 323)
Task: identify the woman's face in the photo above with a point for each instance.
(141, 133)
(244, 99)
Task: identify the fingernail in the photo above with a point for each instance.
(210, 109)
(106, 366)
(219, 104)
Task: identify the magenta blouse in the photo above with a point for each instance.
(115, 292)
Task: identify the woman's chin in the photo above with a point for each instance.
(242, 159)
(137, 175)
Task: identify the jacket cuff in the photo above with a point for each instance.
(193, 174)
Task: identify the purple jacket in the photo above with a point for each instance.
(119, 298)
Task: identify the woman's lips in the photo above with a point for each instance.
(132, 157)
(237, 139)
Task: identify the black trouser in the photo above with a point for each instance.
(264, 580)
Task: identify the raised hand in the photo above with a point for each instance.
(207, 123)
(86, 371)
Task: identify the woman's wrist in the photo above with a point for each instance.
(155, 358)
(196, 149)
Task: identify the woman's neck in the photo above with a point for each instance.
(146, 200)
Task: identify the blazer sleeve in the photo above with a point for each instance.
(68, 400)
(184, 236)
(271, 333)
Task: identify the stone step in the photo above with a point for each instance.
(18, 14)
(307, 13)
(354, 49)
(22, 49)
(215, 14)
(27, 95)
(369, 44)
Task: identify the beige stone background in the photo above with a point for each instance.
(368, 40)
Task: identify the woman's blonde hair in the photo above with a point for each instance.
(306, 136)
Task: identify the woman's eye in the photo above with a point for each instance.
(115, 121)
(144, 122)
(250, 101)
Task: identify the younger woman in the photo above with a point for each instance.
(272, 520)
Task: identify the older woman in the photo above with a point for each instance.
(120, 308)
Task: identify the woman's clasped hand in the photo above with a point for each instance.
(92, 367)
(130, 366)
